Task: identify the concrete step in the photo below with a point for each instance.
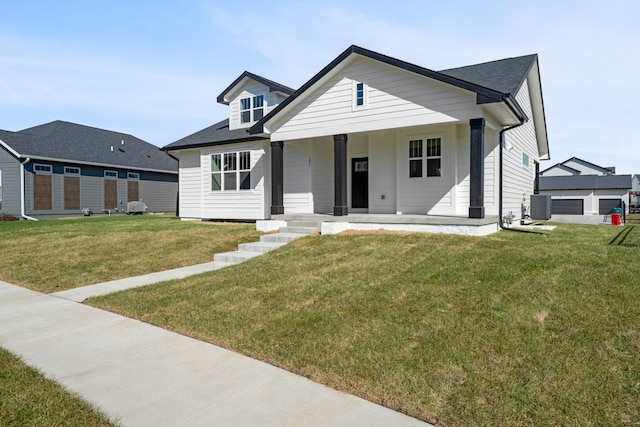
(298, 230)
(281, 237)
(235, 257)
(300, 223)
(260, 247)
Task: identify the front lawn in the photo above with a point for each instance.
(29, 399)
(54, 255)
(509, 329)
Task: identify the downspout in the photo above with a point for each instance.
(500, 216)
(22, 210)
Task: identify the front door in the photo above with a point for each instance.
(360, 183)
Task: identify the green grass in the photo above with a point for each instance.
(29, 399)
(508, 329)
(53, 255)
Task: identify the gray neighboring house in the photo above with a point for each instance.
(582, 191)
(59, 168)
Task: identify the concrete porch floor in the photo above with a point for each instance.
(414, 223)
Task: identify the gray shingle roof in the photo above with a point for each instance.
(72, 142)
(216, 134)
(504, 75)
(586, 182)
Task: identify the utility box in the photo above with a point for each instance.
(136, 208)
(540, 206)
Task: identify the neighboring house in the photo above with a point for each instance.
(634, 195)
(59, 168)
(370, 134)
(578, 187)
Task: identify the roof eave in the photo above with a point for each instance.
(212, 143)
(484, 95)
(9, 149)
(273, 86)
(108, 165)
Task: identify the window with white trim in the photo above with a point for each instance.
(231, 171)
(110, 174)
(251, 109)
(359, 96)
(415, 158)
(425, 152)
(70, 170)
(525, 160)
(133, 175)
(37, 167)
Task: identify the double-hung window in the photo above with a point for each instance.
(423, 152)
(415, 158)
(251, 109)
(231, 171)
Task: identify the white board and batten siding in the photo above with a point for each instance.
(236, 204)
(393, 99)
(518, 178)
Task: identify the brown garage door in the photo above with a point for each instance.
(567, 207)
(71, 193)
(42, 192)
(110, 193)
(133, 191)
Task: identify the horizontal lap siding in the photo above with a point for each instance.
(91, 193)
(10, 168)
(190, 179)
(463, 158)
(491, 171)
(243, 204)
(251, 89)
(395, 98)
(518, 180)
(427, 195)
(159, 196)
(322, 174)
(382, 176)
(297, 178)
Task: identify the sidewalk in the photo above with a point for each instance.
(142, 375)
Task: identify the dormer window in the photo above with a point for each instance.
(251, 109)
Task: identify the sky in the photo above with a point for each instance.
(153, 68)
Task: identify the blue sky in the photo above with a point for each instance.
(155, 68)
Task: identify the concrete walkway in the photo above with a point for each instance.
(142, 375)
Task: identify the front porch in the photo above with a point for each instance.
(330, 224)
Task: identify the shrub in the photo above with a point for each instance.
(8, 217)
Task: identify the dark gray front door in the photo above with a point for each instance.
(360, 182)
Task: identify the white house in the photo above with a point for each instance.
(578, 187)
(372, 136)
